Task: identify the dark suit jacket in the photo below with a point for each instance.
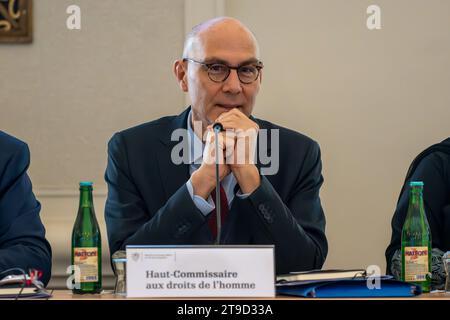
(432, 166)
(148, 201)
(22, 235)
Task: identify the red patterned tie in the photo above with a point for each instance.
(212, 220)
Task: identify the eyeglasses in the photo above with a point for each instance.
(219, 72)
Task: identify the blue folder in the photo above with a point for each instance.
(348, 288)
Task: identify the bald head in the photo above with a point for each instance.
(221, 31)
(220, 43)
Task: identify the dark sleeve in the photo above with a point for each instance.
(127, 218)
(297, 227)
(22, 235)
(432, 171)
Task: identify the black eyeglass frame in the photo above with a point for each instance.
(257, 64)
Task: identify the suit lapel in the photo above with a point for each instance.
(173, 175)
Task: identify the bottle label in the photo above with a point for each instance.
(87, 260)
(416, 264)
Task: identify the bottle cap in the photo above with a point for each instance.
(86, 184)
(416, 184)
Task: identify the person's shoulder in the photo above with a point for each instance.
(437, 160)
(11, 145)
(440, 156)
(437, 154)
(153, 126)
(432, 163)
(147, 131)
(14, 153)
(288, 137)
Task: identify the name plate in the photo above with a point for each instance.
(200, 271)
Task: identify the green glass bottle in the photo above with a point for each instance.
(416, 241)
(87, 245)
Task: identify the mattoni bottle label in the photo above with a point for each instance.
(87, 260)
(416, 264)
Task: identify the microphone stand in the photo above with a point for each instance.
(217, 128)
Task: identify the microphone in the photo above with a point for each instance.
(217, 128)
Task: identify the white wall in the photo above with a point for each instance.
(372, 99)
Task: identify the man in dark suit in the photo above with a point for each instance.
(154, 198)
(22, 235)
(432, 167)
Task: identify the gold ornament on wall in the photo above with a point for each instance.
(16, 21)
